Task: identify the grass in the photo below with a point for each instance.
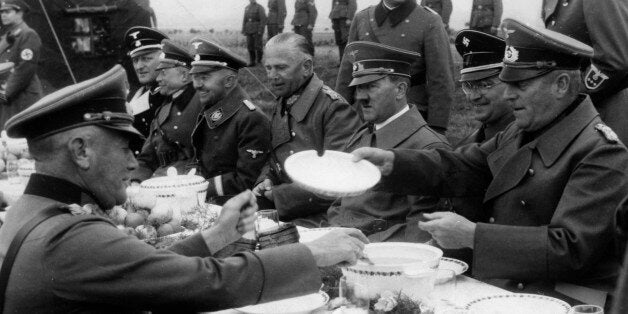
(326, 67)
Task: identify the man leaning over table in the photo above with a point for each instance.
(80, 137)
(381, 77)
(552, 181)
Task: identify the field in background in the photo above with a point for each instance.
(326, 67)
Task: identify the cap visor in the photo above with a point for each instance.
(366, 79)
(124, 128)
(479, 75)
(203, 68)
(509, 74)
(6, 67)
(164, 65)
(141, 52)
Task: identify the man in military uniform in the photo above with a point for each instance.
(21, 45)
(276, 17)
(604, 26)
(253, 26)
(341, 15)
(552, 181)
(486, 15)
(82, 263)
(304, 19)
(382, 76)
(144, 48)
(406, 25)
(308, 115)
(442, 7)
(169, 141)
(231, 137)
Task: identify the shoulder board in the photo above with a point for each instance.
(430, 10)
(17, 32)
(607, 132)
(249, 104)
(331, 93)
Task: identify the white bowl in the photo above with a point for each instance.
(187, 190)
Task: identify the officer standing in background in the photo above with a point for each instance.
(486, 15)
(276, 17)
(21, 45)
(442, 7)
(144, 47)
(253, 26)
(341, 15)
(304, 19)
(604, 26)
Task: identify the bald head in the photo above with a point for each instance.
(289, 63)
(295, 43)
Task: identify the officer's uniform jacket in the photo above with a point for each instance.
(305, 13)
(231, 141)
(343, 9)
(85, 264)
(147, 99)
(20, 45)
(169, 142)
(551, 202)
(442, 7)
(276, 12)
(486, 13)
(318, 116)
(385, 216)
(254, 20)
(602, 25)
(421, 31)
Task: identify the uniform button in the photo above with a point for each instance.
(179, 113)
(403, 35)
(523, 203)
(372, 20)
(143, 119)
(291, 152)
(491, 220)
(531, 172)
(367, 33)
(553, 23)
(293, 134)
(177, 142)
(215, 137)
(520, 286)
(407, 21)
(566, 3)
(175, 127)
(309, 200)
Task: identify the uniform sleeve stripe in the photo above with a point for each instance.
(218, 186)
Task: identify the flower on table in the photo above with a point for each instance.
(387, 302)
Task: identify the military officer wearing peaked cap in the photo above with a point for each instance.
(552, 181)
(231, 137)
(79, 137)
(169, 143)
(20, 45)
(143, 46)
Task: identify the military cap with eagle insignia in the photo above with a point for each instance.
(17, 5)
(482, 54)
(100, 101)
(209, 56)
(174, 55)
(532, 52)
(140, 40)
(373, 61)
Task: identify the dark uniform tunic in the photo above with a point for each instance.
(384, 216)
(21, 45)
(304, 15)
(253, 26)
(71, 264)
(149, 99)
(317, 115)
(276, 17)
(231, 141)
(413, 28)
(486, 14)
(341, 12)
(604, 26)
(552, 201)
(169, 143)
(442, 7)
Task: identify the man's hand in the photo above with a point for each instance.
(310, 27)
(383, 159)
(236, 218)
(265, 189)
(348, 21)
(450, 230)
(338, 246)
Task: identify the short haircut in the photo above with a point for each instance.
(294, 41)
(399, 79)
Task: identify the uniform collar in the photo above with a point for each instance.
(392, 118)
(490, 130)
(399, 129)
(226, 107)
(182, 97)
(308, 95)
(396, 15)
(58, 189)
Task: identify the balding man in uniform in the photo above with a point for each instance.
(304, 19)
(604, 26)
(276, 17)
(341, 15)
(253, 25)
(20, 45)
(55, 261)
(552, 181)
(405, 24)
(442, 7)
(231, 136)
(143, 46)
(486, 15)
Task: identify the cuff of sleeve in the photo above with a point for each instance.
(215, 187)
(192, 246)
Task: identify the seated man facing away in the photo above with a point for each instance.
(80, 137)
(552, 181)
(381, 77)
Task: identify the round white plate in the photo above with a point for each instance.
(309, 235)
(518, 303)
(458, 266)
(333, 175)
(298, 305)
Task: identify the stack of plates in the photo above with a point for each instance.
(519, 303)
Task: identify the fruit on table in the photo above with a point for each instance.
(117, 214)
(160, 214)
(146, 232)
(134, 220)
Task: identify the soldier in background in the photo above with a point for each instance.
(304, 19)
(144, 47)
(442, 7)
(253, 26)
(21, 45)
(486, 15)
(276, 17)
(604, 26)
(341, 15)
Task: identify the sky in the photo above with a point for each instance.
(227, 14)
